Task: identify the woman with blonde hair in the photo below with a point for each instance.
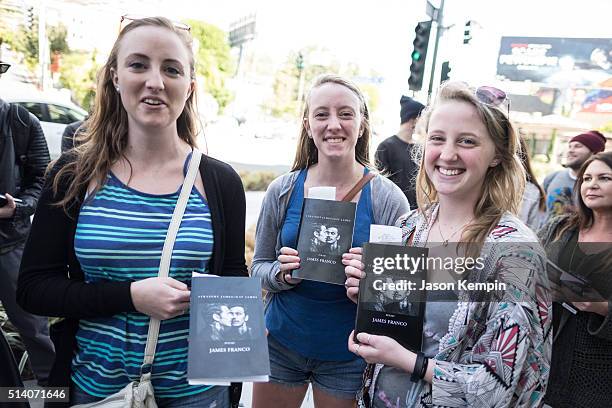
(308, 321)
(487, 347)
(93, 254)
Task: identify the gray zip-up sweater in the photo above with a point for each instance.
(388, 204)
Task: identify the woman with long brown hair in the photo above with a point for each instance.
(481, 348)
(93, 254)
(308, 321)
(580, 244)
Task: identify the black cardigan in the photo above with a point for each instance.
(580, 366)
(51, 280)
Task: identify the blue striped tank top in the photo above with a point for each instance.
(119, 237)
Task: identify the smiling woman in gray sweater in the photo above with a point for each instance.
(308, 321)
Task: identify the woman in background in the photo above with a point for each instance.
(580, 243)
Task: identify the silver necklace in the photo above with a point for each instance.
(445, 240)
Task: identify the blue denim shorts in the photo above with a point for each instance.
(215, 397)
(340, 379)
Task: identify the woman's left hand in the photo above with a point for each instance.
(382, 350)
(601, 308)
(353, 268)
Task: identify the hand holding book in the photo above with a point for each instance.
(385, 350)
(289, 260)
(160, 297)
(354, 272)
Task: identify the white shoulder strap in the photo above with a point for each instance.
(164, 264)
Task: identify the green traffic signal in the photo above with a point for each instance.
(419, 54)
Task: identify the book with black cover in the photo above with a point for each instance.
(391, 302)
(227, 339)
(325, 233)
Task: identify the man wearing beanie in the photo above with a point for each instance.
(559, 186)
(394, 154)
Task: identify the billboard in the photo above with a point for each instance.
(557, 62)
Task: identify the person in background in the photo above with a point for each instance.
(490, 348)
(533, 206)
(395, 156)
(559, 186)
(93, 254)
(581, 243)
(308, 321)
(24, 156)
(69, 137)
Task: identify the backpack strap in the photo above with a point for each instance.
(20, 129)
(358, 186)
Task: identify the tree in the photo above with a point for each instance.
(78, 73)
(284, 101)
(7, 13)
(26, 42)
(57, 39)
(213, 59)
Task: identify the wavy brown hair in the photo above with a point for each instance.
(583, 218)
(105, 133)
(504, 183)
(307, 153)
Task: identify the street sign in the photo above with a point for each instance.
(242, 31)
(432, 11)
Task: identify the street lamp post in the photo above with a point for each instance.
(438, 19)
(299, 63)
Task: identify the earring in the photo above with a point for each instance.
(117, 88)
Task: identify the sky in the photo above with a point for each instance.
(379, 35)
(358, 25)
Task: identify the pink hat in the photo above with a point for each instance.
(593, 140)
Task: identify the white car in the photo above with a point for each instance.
(53, 113)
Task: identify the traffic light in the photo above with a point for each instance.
(299, 62)
(446, 69)
(417, 67)
(467, 34)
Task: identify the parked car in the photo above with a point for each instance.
(52, 112)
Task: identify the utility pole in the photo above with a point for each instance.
(299, 63)
(438, 15)
(43, 46)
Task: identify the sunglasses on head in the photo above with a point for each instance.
(4, 67)
(491, 96)
(126, 19)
